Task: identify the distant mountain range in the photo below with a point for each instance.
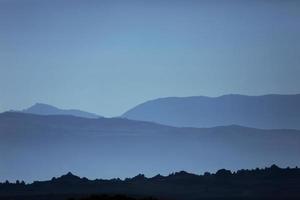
(263, 112)
(37, 147)
(267, 112)
(45, 109)
(269, 183)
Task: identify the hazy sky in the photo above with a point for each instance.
(108, 56)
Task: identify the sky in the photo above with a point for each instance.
(108, 56)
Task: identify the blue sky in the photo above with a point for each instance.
(108, 56)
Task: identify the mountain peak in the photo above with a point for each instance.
(69, 177)
(41, 104)
(46, 109)
(69, 174)
(38, 108)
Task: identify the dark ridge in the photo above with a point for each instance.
(267, 183)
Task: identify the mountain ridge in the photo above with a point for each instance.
(259, 183)
(269, 111)
(46, 109)
(36, 147)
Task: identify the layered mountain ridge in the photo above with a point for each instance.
(266, 112)
(36, 147)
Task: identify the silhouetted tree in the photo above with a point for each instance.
(223, 173)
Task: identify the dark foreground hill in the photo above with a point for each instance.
(268, 111)
(268, 183)
(35, 147)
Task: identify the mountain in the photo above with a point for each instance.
(37, 147)
(268, 183)
(266, 112)
(45, 109)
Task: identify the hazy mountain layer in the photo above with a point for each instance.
(36, 147)
(45, 109)
(269, 111)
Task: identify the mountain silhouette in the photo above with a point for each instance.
(45, 109)
(267, 183)
(267, 112)
(68, 178)
(37, 147)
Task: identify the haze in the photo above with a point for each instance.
(108, 56)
